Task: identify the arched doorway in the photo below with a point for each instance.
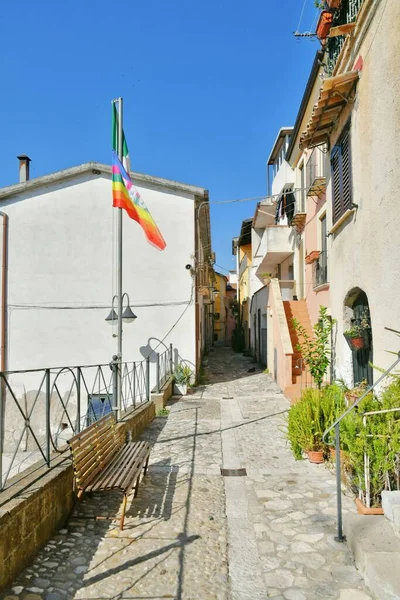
(357, 314)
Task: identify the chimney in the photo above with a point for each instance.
(23, 168)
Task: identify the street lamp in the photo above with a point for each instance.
(128, 316)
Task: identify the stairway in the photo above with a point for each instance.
(297, 309)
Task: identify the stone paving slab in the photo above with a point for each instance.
(192, 534)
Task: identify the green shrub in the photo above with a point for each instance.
(182, 374)
(379, 439)
(311, 416)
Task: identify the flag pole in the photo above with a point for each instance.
(119, 268)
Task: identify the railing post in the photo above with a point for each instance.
(114, 368)
(340, 537)
(158, 373)
(2, 424)
(134, 385)
(171, 362)
(148, 378)
(48, 432)
(78, 401)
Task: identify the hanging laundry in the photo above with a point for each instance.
(278, 211)
(290, 207)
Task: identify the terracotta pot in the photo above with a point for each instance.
(363, 510)
(324, 24)
(316, 456)
(358, 343)
(312, 257)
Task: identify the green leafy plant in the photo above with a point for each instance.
(377, 436)
(182, 374)
(307, 420)
(315, 349)
(359, 327)
(163, 412)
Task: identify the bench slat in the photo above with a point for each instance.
(105, 422)
(123, 471)
(112, 472)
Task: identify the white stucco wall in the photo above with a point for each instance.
(283, 178)
(365, 251)
(61, 255)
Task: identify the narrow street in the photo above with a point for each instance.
(193, 534)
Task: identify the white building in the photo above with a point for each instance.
(60, 262)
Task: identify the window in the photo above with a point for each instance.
(321, 265)
(341, 176)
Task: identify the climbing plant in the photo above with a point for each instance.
(315, 348)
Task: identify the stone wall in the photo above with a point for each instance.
(33, 510)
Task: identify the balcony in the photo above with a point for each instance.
(346, 14)
(277, 245)
(283, 179)
(300, 215)
(315, 173)
(320, 270)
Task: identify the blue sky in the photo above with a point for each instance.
(206, 87)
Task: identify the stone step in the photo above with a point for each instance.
(391, 508)
(376, 550)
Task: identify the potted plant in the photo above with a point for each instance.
(355, 338)
(182, 376)
(324, 24)
(315, 349)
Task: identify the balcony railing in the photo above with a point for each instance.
(320, 270)
(315, 173)
(347, 13)
(299, 217)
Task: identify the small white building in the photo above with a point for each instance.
(60, 260)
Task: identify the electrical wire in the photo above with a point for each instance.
(93, 307)
(301, 15)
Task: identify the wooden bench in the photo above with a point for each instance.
(102, 461)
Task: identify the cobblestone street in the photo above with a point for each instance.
(193, 534)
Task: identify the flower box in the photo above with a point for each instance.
(324, 24)
(312, 257)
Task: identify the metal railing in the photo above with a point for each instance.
(164, 368)
(347, 13)
(315, 171)
(336, 426)
(320, 270)
(40, 409)
(367, 457)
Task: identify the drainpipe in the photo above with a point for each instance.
(3, 341)
(4, 269)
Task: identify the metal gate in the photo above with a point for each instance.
(362, 370)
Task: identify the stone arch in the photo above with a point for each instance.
(356, 312)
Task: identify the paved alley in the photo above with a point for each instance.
(194, 534)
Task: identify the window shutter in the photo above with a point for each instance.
(346, 171)
(336, 184)
(341, 176)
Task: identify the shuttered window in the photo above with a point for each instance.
(341, 176)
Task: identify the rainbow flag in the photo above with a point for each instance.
(126, 196)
